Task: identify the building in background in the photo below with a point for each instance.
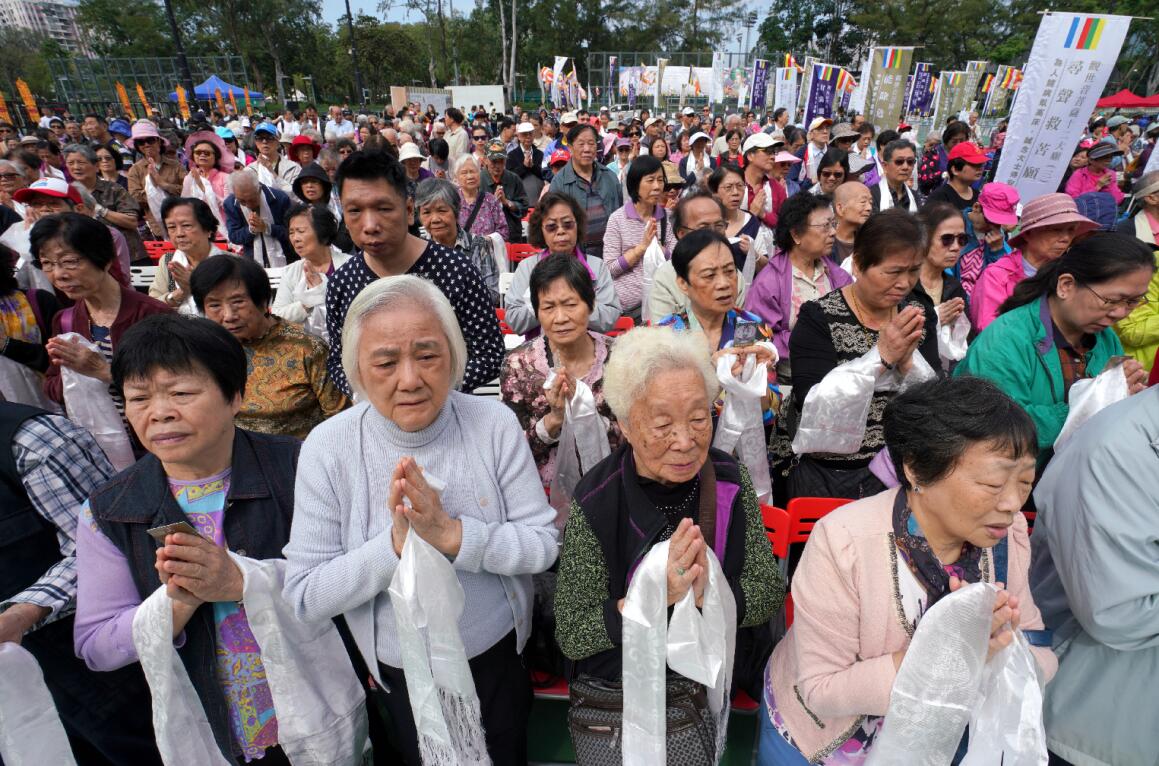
(55, 19)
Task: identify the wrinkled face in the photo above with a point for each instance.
(820, 136)
(468, 177)
(205, 156)
(184, 230)
(583, 151)
(1049, 242)
(900, 166)
(731, 191)
(404, 365)
(1093, 308)
(93, 128)
(106, 163)
(977, 501)
(305, 155)
(857, 207)
(181, 417)
(42, 205)
(815, 238)
(11, 179)
(412, 166)
(438, 218)
(230, 306)
(947, 243)
(891, 280)
(76, 277)
(80, 168)
(562, 313)
(659, 150)
(863, 141)
(302, 235)
(711, 285)
(670, 426)
(560, 232)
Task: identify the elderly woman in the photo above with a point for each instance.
(799, 270)
(210, 163)
(746, 233)
(115, 206)
(844, 326)
(632, 228)
(301, 295)
(184, 379)
(479, 211)
(191, 226)
(76, 252)
(964, 454)
(303, 150)
(1050, 224)
(945, 236)
(163, 172)
(437, 204)
(1056, 328)
(663, 483)
(287, 391)
(563, 298)
(557, 225)
(411, 432)
(592, 185)
(314, 187)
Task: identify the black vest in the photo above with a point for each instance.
(28, 544)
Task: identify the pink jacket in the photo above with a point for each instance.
(835, 664)
(993, 287)
(1083, 180)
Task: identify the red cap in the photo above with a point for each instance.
(559, 155)
(49, 187)
(903, 126)
(971, 153)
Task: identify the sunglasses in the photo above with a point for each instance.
(905, 161)
(146, 141)
(633, 135)
(832, 174)
(949, 239)
(479, 138)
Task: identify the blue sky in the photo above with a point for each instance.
(333, 9)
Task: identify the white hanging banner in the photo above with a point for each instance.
(1072, 58)
(556, 77)
(785, 89)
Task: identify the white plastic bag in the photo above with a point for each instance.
(697, 644)
(952, 339)
(653, 259)
(583, 442)
(155, 198)
(740, 429)
(23, 385)
(1090, 395)
(30, 729)
(89, 404)
(205, 193)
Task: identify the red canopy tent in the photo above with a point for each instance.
(1124, 99)
(1151, 101)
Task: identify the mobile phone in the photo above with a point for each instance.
(745, 334)
(160, 533)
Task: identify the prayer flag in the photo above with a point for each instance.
(219, 99)
(123, 97)
(29, 101)
(4, 114)
(182, 104)
(248, 108)
(144, 101)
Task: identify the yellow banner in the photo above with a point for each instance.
(248, 109)
(182, 104)
(4, 113)
(29, 101)
(144, 101)
(123, 97)
(220, 102)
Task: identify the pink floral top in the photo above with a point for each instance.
(490, 218)
(521, 387)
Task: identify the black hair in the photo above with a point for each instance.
(734, 132)
(98, 117)
(678, 212)
(570, 270)
(718, 175)
(834, 156)
(794, 217)
(792, 133)
(884, 233)
(506, 122)
(345, 143)
(955, 130)
(180, 344)
(929, 426)
(439, 149)
(933, 216)
(8, 259)
(1099, 258)
(866, 127)
(886, 137)
(546, 203)
(321, 219)
(215, 271)
(202, 213)
(372, 166)
(694, 244)
(643, 165)
(211, 145)
(778, 112)
(118, 160)
(897, 145)
(578, 130)
(456, 115)
(87, 236)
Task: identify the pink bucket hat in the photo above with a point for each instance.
(144, 129)
(225, 162)
(1051, 210)
(999, 203)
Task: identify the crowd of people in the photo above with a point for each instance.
(284, 457)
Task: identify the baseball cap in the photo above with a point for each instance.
(759, 140)
(999, 203)
(623, 143)
(971, 153)
(652, 121)
(819, 122)
(496, 150)
(121, 127)
(699, 136)
(267, 127)
(49, 187)
(1117, 121)
(409, 151)
(604, 109)
(559, 156)
(525, 127)
(568, 118)
(688, 111)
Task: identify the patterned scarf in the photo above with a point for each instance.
(915, 549)
(18, 318)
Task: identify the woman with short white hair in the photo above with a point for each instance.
(417, 455)
(479, 211)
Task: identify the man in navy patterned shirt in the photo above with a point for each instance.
(375, 207)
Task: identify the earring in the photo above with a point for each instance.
(917, 489)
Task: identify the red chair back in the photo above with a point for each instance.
(501, 315)
(804, 512)
(623, 324)
(517, 251)
(776, 521)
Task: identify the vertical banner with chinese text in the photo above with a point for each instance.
(822, 89)
(760, 85)
(888, 67)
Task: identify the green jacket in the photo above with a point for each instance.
(1017, 352)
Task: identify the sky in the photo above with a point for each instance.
(333, 9)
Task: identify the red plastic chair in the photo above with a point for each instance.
(517, 251)
(155, 248)
(805, 512)
(501, 315)
(623, 324)
(777, 523)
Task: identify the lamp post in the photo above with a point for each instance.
(361, 94)
(179, 48)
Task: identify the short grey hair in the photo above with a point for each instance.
(383, 294)
(462, 161)
(81, 149)
(432, 190)
(643, 353)
(244, 180)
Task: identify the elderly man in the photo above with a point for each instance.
(255, 217)
(165, 173)
(338, 126)
(507, 188)
(115, 206)
(526, 160)
(898, 160)
(810, 154)
(13, 178)
(852, 206)
(270, 167)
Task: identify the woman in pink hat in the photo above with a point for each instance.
(155, 176)
(210, 164)
(1050, 224)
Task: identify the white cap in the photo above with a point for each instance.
(409, 151)
(688, 111)
(697, 137)
(651, 121)
(819, 122)
(567, 117)
(758, 140)
(525, 127)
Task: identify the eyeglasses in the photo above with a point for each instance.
(9, 176)
(566, 224)
(737, 187)
(65, 264)
(949, 239)
(1117, 303)
(905, 161)
(633, 135)
(831, 225)
(104, 158)
(202, 152)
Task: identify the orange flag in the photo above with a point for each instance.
(220, 102)
(4, 113)
(248, 110)
(182, 104)
(233, 102)
(144, 101)
(29, 101)
(123, 97)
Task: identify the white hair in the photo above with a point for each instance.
(387, 292)
(462, 161)
(644, 352)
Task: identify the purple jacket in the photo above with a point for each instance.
(771, 295)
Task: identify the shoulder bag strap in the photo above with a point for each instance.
(707, 514)
(474, 212)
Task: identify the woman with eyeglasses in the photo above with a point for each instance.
(210, 163)
(832, 170)
(1056, 329)
(945, 237)
(746, 234)
(109, 166)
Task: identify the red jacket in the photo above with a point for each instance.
(134, 307)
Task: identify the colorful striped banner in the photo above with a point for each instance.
(891, 58)
(1085, 33)
(182, 103)
(987, 83)
(827, 73)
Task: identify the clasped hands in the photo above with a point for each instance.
(424, 513)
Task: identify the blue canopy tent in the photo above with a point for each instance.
(206, 91)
